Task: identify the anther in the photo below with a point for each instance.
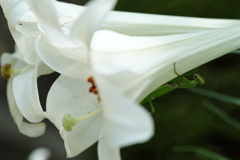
(90, 79)
(5, 71)
(93, 88)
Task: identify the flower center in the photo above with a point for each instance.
(68, 121)
(6, 71)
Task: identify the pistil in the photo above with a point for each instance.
(68, 121)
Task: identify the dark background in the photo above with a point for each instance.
(180, 118)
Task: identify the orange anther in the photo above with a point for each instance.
(5, 71)
(90, 79)
(95, 91)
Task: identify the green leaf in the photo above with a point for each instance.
(201, 151)
(221, 114)
(236, 52)
(215, 95)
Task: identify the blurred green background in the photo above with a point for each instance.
(180, 117)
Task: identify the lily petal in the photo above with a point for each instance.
(71, 96)
(48, 19)
(148, 52)
(60, 62)
(107, 153)
(125, 122)
(13, 59)
(142, 24)
(26, 94)
(150, 59)
(31, 130)
(14, 10)
(24, 33)
(53, 34)
(91, 19)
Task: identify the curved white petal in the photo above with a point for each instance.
(53, 34)
(71, 96)
(13, 10)
(24, 33)
(48, 19)
(138, 24)
(146, 69)
(147, 53)
(60, 62)
(26, 94)
(31, 130)
(43, 69)
(13, 59)
(141, 24)
(125, 122)
(89, 20)
(107, 153)
(68, 12)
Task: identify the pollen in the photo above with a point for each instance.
(5, 71)
(93, 88)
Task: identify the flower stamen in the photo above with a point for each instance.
(68, 121)
(6, 71)
(93, 88)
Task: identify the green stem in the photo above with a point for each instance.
(208, 154)
(215, 95)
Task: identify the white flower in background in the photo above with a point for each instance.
(22, 88)
(41, 153)
(12, 66)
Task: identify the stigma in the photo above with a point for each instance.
(68, 121)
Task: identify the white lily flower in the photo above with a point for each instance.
(12, 63)
(115, 132)
(22, 90)
(88, 107)
(139, 65)
(60, 49)
(24, 86)
(147, 62)
(136, 66)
